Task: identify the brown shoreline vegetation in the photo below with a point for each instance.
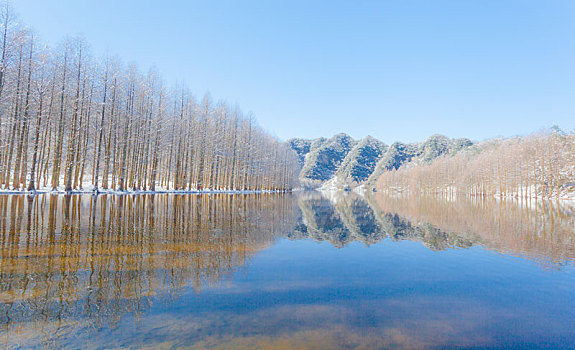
(537, 166)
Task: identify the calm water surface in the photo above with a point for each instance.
(303, 271)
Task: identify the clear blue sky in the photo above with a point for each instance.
(397, 70)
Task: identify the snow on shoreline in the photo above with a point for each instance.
(567, 197)
(134, 192)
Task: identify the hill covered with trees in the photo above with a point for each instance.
(70, 121)
(325, 158)
(342, 162)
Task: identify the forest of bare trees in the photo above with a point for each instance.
(538, 166)
(71, 122)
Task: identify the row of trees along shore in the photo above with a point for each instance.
(70, 122)
(537, 166)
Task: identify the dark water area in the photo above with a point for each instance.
(284, 271)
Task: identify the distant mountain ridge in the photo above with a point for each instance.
(341, 162)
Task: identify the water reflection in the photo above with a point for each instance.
(72, 266)
(339, 219)
(65, 259)
(538, 229)
(543, 230)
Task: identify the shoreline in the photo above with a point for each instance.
(138, 192)
(361, 190)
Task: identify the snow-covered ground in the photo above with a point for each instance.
(88, 188)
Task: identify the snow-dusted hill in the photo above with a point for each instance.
(341, 162)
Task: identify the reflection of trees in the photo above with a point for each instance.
(74, 262)
(543, 229)
(539, 229)
(96, 258)
(398, 227)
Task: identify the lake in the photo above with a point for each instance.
(283, 271)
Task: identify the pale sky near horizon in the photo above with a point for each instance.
(397, 70)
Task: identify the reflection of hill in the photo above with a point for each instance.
(321, 221)
(347, 217)
(97, 258)
(543, 229)
(359, 218)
